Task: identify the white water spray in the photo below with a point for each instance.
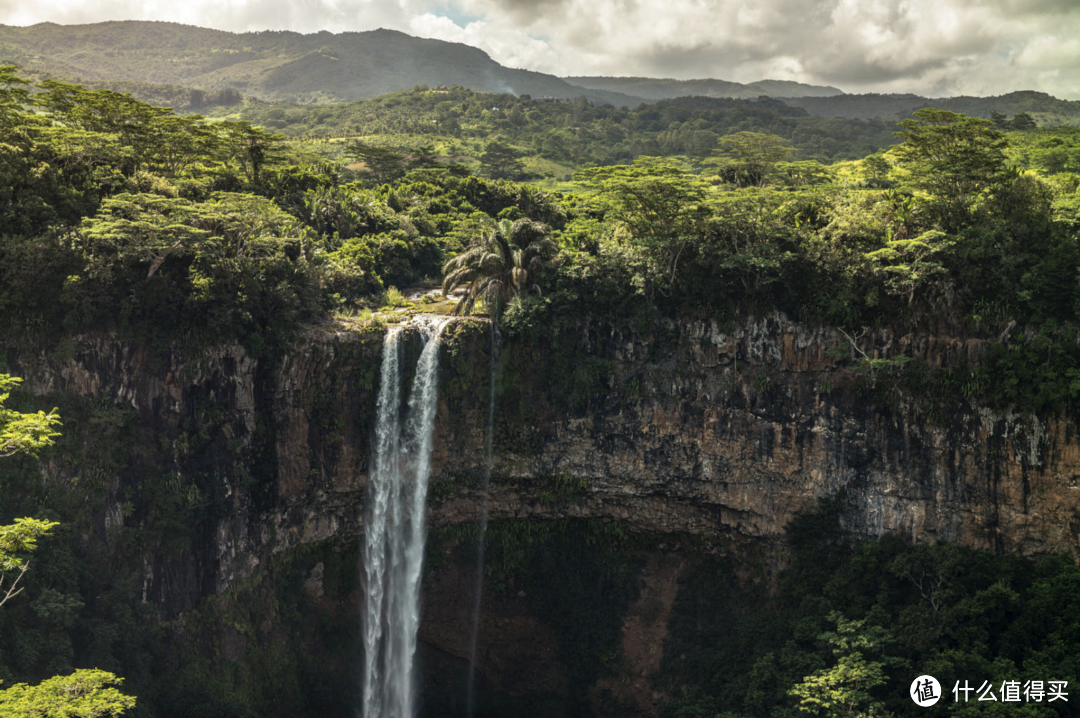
(394, 530)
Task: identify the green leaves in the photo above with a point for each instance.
(953, 158)
(660, 204)
(499, 264)
(21, 538)
(17, 540)
(911, 263)
(501, 161)
(748, 159)
(13, 93)
(250, 147)
(23, 433)
(83, 694)
(384, 163)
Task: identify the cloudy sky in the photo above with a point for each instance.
(932, 47)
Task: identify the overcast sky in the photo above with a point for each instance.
(931, 47)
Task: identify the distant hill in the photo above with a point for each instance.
(271, 65)
(194, 68)
(665, 89)
(1043, 108)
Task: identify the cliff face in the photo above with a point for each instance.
(735, 432)
(689, 429)
(680, 429)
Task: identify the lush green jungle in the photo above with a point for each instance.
(176, 229)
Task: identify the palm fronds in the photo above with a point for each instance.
(499, 264)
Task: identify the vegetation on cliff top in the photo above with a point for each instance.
(126, 217)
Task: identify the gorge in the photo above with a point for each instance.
(675, 441)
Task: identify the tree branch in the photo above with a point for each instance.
(11, 592)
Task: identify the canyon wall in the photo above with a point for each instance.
(722, 433)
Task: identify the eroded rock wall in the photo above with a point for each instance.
(689, 427)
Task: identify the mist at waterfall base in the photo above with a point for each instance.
(394, 530)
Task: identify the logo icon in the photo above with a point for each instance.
(925, 691)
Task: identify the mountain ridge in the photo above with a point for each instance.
(662, 88)
(271, 65)
(323, 67)
(1044, 108)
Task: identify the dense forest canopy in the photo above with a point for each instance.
(124, 216)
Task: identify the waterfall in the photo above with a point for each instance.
(394, 529)
(478, 589)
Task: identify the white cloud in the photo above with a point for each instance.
(232, 15)
(925, 46)
(508, 44)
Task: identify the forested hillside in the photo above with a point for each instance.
(1041, 107)
(270, 65)
(569, 134)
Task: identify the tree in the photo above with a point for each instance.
(803, 173)
(910, 263)
(953, 158)
(251, 147)
(148, 228)
(106, 112)
(83, 694)
(749, 158)
(845, 689)
(23, 433)
(177, 142)
(1023, 121)
(999, 120)
(384, 163)
(661, 204)
(876, 169)
(501, 161)
(137, 228)
(17, 540)
(13, 94)
(500, 264)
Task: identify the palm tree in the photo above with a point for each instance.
(499, 265)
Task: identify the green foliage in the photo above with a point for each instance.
(130, 218)
(500, 264)
(83, 694)
(847, 626)
(569, 136)
(909, 262)
(23, 433)
(384, 163)
(845, 689)
(229, 265)
(749, 158)
(20, 538)
(16, 541)
(954, 158)
(500, 161)
(659, 203)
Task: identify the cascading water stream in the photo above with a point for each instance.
(394, 530)
(478, 590)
